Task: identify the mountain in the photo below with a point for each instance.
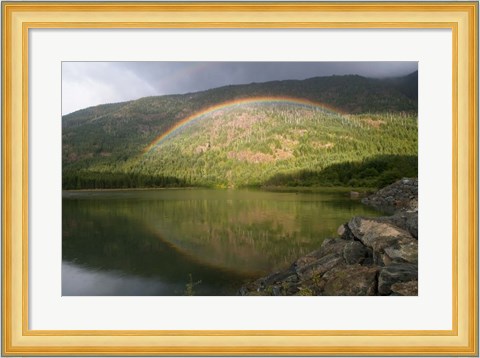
(408, 85)
(242, 135)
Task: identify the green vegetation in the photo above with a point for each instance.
(287, 146)
(373, 172)
(305, 291)
(252, 145)
(119, 180)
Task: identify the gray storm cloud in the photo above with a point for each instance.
(86, 84)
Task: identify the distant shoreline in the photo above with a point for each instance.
(278, 189)
(313, 189)
(131, 189)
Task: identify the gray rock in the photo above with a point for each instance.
(320, 266)
(395, 273)
(355, 253)
(403, 194)
(289, 288)
(275, 278)
(409, 288)
(412, 225)
(329, 246)
(352, 280)
(404, 249)
(387, 250)
(388, 242)
(407, 220)
(345, 233)
(332, 246)
(357, 226)
(368, 230)
(276, 291)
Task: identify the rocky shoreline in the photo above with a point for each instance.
(371, 256)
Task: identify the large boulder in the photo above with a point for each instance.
(407, 220)
(405, 249)
(352, 280)
(329, 246)
(403, 194)
(365, 229)
(388, 242)
(356, 253)
(345, 233)
(320, 266)
(395, 273)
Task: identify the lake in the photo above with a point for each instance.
(190, 241)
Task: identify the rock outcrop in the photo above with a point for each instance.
(371, 256)
(403, 194)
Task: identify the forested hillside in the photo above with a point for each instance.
(338, 130)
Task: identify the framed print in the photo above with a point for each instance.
(239, 178)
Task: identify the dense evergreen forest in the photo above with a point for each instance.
(364, 136)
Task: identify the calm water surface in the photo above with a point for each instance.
(155, 242)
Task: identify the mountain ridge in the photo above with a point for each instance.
(111, 139)
(412, 76)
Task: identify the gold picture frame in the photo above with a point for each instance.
(19, 17)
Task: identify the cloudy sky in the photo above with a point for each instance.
(86, 84)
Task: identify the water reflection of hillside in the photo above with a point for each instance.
(104, 242)
(219, 236)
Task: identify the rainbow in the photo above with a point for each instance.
(234, 103)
